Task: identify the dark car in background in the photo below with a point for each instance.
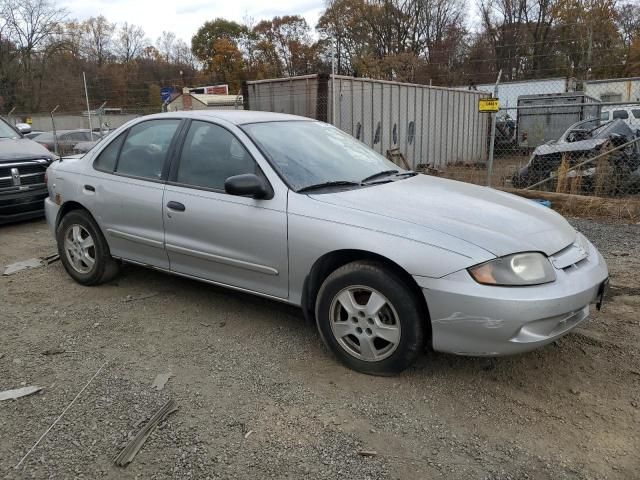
(579, 143)
(23, 163)
(66, 140)
(33, 134)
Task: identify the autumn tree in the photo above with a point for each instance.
(286, 43)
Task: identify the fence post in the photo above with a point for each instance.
(492, 139)
(10, 116)
(333, 82)
(53, 127)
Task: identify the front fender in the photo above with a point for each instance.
(315, 231)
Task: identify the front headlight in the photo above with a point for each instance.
(520, 269)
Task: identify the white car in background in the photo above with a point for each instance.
(629, 113)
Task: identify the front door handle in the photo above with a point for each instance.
(89, 188)
(177, 206)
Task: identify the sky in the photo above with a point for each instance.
(184, 17)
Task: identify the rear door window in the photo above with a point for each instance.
(636, 113)
(145, 149)
(106, 161)
(621, 114)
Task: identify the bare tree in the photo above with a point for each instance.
(505, 23)
(130, 41)
(165, 43)
(98, 39)
(30, 23)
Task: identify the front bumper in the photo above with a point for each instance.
(51, 210)
(22, 205)
(468, 318)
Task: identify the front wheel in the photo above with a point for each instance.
(370, 318)
(83, 250)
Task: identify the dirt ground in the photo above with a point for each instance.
(259, 396)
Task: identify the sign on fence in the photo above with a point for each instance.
(489, 105)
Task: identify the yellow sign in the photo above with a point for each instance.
(488, 105)
(29, 120)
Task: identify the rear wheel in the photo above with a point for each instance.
(370, 319)
(83, 250)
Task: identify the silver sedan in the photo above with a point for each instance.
(385, 261)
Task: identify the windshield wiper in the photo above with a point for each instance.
(338, 183)
(408, 173)
(379, 174)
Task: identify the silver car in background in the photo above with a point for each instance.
(386, 261)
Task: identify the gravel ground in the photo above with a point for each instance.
(259, 397)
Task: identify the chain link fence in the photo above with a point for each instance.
(575, 143)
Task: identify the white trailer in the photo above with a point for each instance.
(508, 92)
(429, 125)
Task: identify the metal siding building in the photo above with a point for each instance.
(431, 125)
(615, 89)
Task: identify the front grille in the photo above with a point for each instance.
(29, 173)
(573, 256)
(31, 168)
(32, 179)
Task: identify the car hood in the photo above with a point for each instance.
(495, 221)
(12, 149)
(562, 147)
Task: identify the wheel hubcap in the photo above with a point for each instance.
(79, 249)
(365, 323)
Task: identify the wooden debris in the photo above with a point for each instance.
(18, 393)
(367, 453)
(396, 156)
(49, 259)
(53, 351)
(128, 453)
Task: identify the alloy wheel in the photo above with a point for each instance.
(80, 248)
(364, 323)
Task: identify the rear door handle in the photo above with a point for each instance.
(90, 188)
(177, 206)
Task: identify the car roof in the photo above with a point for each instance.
(237, 117)
(62, 132)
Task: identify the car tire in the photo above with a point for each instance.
(370, 318)
(83, 250)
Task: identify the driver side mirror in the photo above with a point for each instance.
(23, 128)
(247, 184)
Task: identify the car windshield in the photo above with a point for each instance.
(44, 137)
(308, 153)
(6, 131)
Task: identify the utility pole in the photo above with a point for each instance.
(86, 94)
(492, 140)
(333, 83)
